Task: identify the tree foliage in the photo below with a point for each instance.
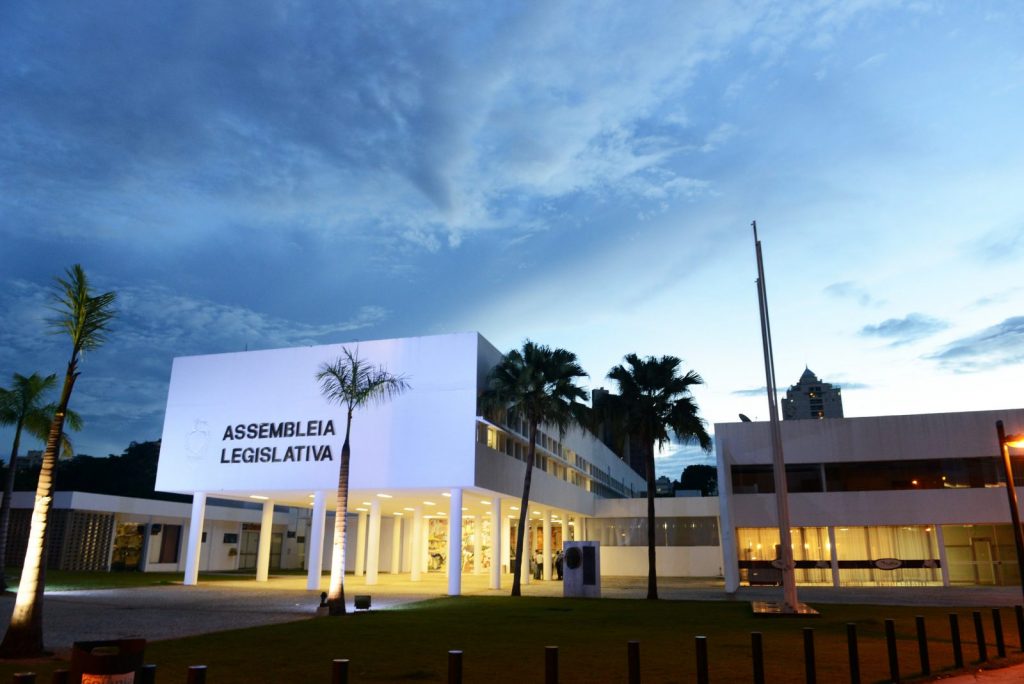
(539, 384)
(653, 404)
(352, 383)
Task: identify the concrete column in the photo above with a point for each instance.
(726, 531)
(940, 540)
(396, 544)
(195, 538)
(497, 536)
(373, 543)
(263, 551)
(315, 542)
(565, 530)
(455, 543)
(416, 551)
(425, 546)
(361, 544)
(546, 527)
(833, 556)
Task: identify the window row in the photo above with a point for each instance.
(863, 476)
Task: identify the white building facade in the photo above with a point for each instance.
(888, 500)
(430, 481)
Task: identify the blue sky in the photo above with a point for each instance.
(582, 174)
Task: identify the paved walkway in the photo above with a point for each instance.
(168, 612)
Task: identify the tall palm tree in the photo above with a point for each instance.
(539, 384)
(22, 406)
(654, 400)
(352, 383)
(85, 318)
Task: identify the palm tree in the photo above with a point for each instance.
(21, 406)
(353, 383)
(654, 400)
(537, 383)
(85, 318)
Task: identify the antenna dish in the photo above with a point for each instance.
(743, 418)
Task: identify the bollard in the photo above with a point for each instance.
(633, 662)
(702, 659)
(454, 667)
(979, 633)
(64, 676)
(954, 635)
(146, 675)
(894, 658)
(997, 627)
(922, 645)
(196, 674)
(550, 665)
(757, 653)
(1019, 611)
(339, 671)
(810, 673)
(24, 678)
(851, 647)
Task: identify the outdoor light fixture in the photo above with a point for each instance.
(385, 496)
(1005, 442)
(407, 508)
(485, 502)
(361, 510)
(257, 496)
(513, 508)
(448, 494)
(429, 503)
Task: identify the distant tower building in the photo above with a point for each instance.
(812, 398)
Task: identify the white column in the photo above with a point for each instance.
(361, 544)
(373, 543)
(565, 530)
(195, 538)
(425, 546)
(263, 551)
(546, 526)
(478, 523)
(396, 544)
(833, 556)
(455, 543)
(506, 552)
(315, 542)
(526, 553)
(416, 551)
(497, 535)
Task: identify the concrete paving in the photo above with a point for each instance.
(167, 612)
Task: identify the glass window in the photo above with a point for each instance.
(674, 531)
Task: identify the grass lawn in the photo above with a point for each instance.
(503, 641)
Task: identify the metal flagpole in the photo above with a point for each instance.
(785, 562)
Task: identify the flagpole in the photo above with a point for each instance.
(785, 561)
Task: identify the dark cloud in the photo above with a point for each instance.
(999, 345)
(754, 392)
(900, 331)
(848, 289)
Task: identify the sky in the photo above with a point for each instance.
(582, 174)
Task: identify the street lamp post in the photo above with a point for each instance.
(1005, 442)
